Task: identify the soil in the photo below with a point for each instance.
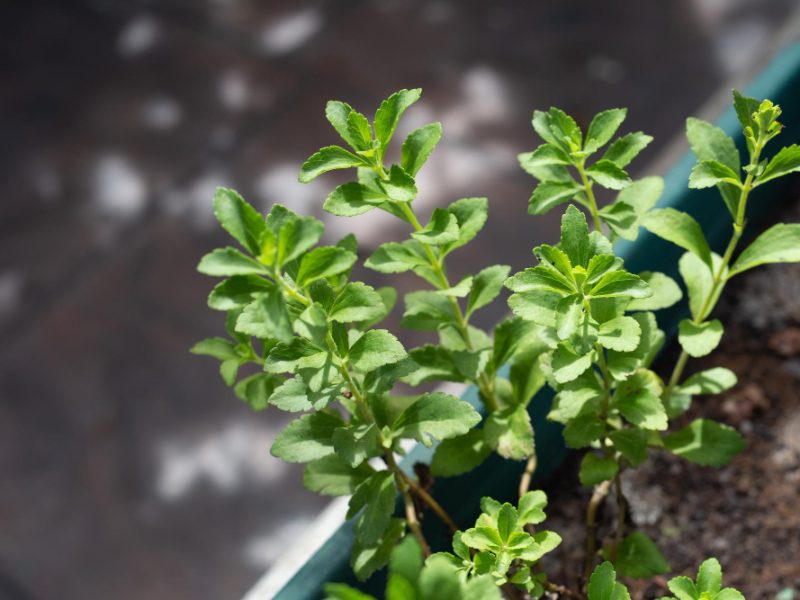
(747, 514)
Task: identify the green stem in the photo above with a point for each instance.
(719, 279)
(621, 516)
(484, 383)
(587, 187)
(404, 482)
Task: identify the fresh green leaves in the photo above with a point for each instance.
(500, 538)
(705, 442)
(707, 586)
(638, 557)
(566, 147)
(778, 244)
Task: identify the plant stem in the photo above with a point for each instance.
(599, 494)
(527, 475)
(485, 386)
(561, 589)
(718, 281)
(587, 187)
(622, 505)
(404, 482)
(423, 495)
(411, 512)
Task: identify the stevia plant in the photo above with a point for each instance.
(603, 585)
(463, 353)
(584, 325)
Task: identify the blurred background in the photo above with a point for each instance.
(129, 470)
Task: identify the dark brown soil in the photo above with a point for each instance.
(747, 513)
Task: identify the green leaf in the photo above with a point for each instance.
(778, 244)
(374, 349)
(471, 214)
(603, 584)
(239, 219)
(638, 399)
(708, 173)
(394, 257)
(595, 469)
(639, 558)
(296, 237)
(680, 229)
(418, 146)
(711, 143)
(666, 292)
(549, 194)
(583, 430)
(631, 443)
(434, 363)
(442, 229)
(312, 324)
(427, 311)
(786, 161)
(709, 577)
(544, 155)
(224, 262)
(291, 396)
(375, 499)
(356, 302)
(365, 559)
(699, 340)
(357, 443)
(621, 334)
(509, 431)
(327, 159)
(340, 591)
(710, 381)
(575, 237)
(745, 107)
(706, 443)
(329, 476)
(620, 284)
(399, 187)
(699, 281)
(569, 316)
(324, 262)
(564, 128)
(609, 175)
(683, 588)
(266, 317)
(390, 111)
(461, 454)
(338, 114)
(531, 507)
(236, 292)
(567, 365)
(436, 414)
(603, 127)
(351, 199)
(486, 286)
(256, 389)
(308, 438)
(360, 131)
(624, 149)
(216, 347)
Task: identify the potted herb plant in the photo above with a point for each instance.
(584, 326)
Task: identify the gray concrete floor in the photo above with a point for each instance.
(128, 469)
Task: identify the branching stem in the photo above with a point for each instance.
(719, 276)
(599, 494)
